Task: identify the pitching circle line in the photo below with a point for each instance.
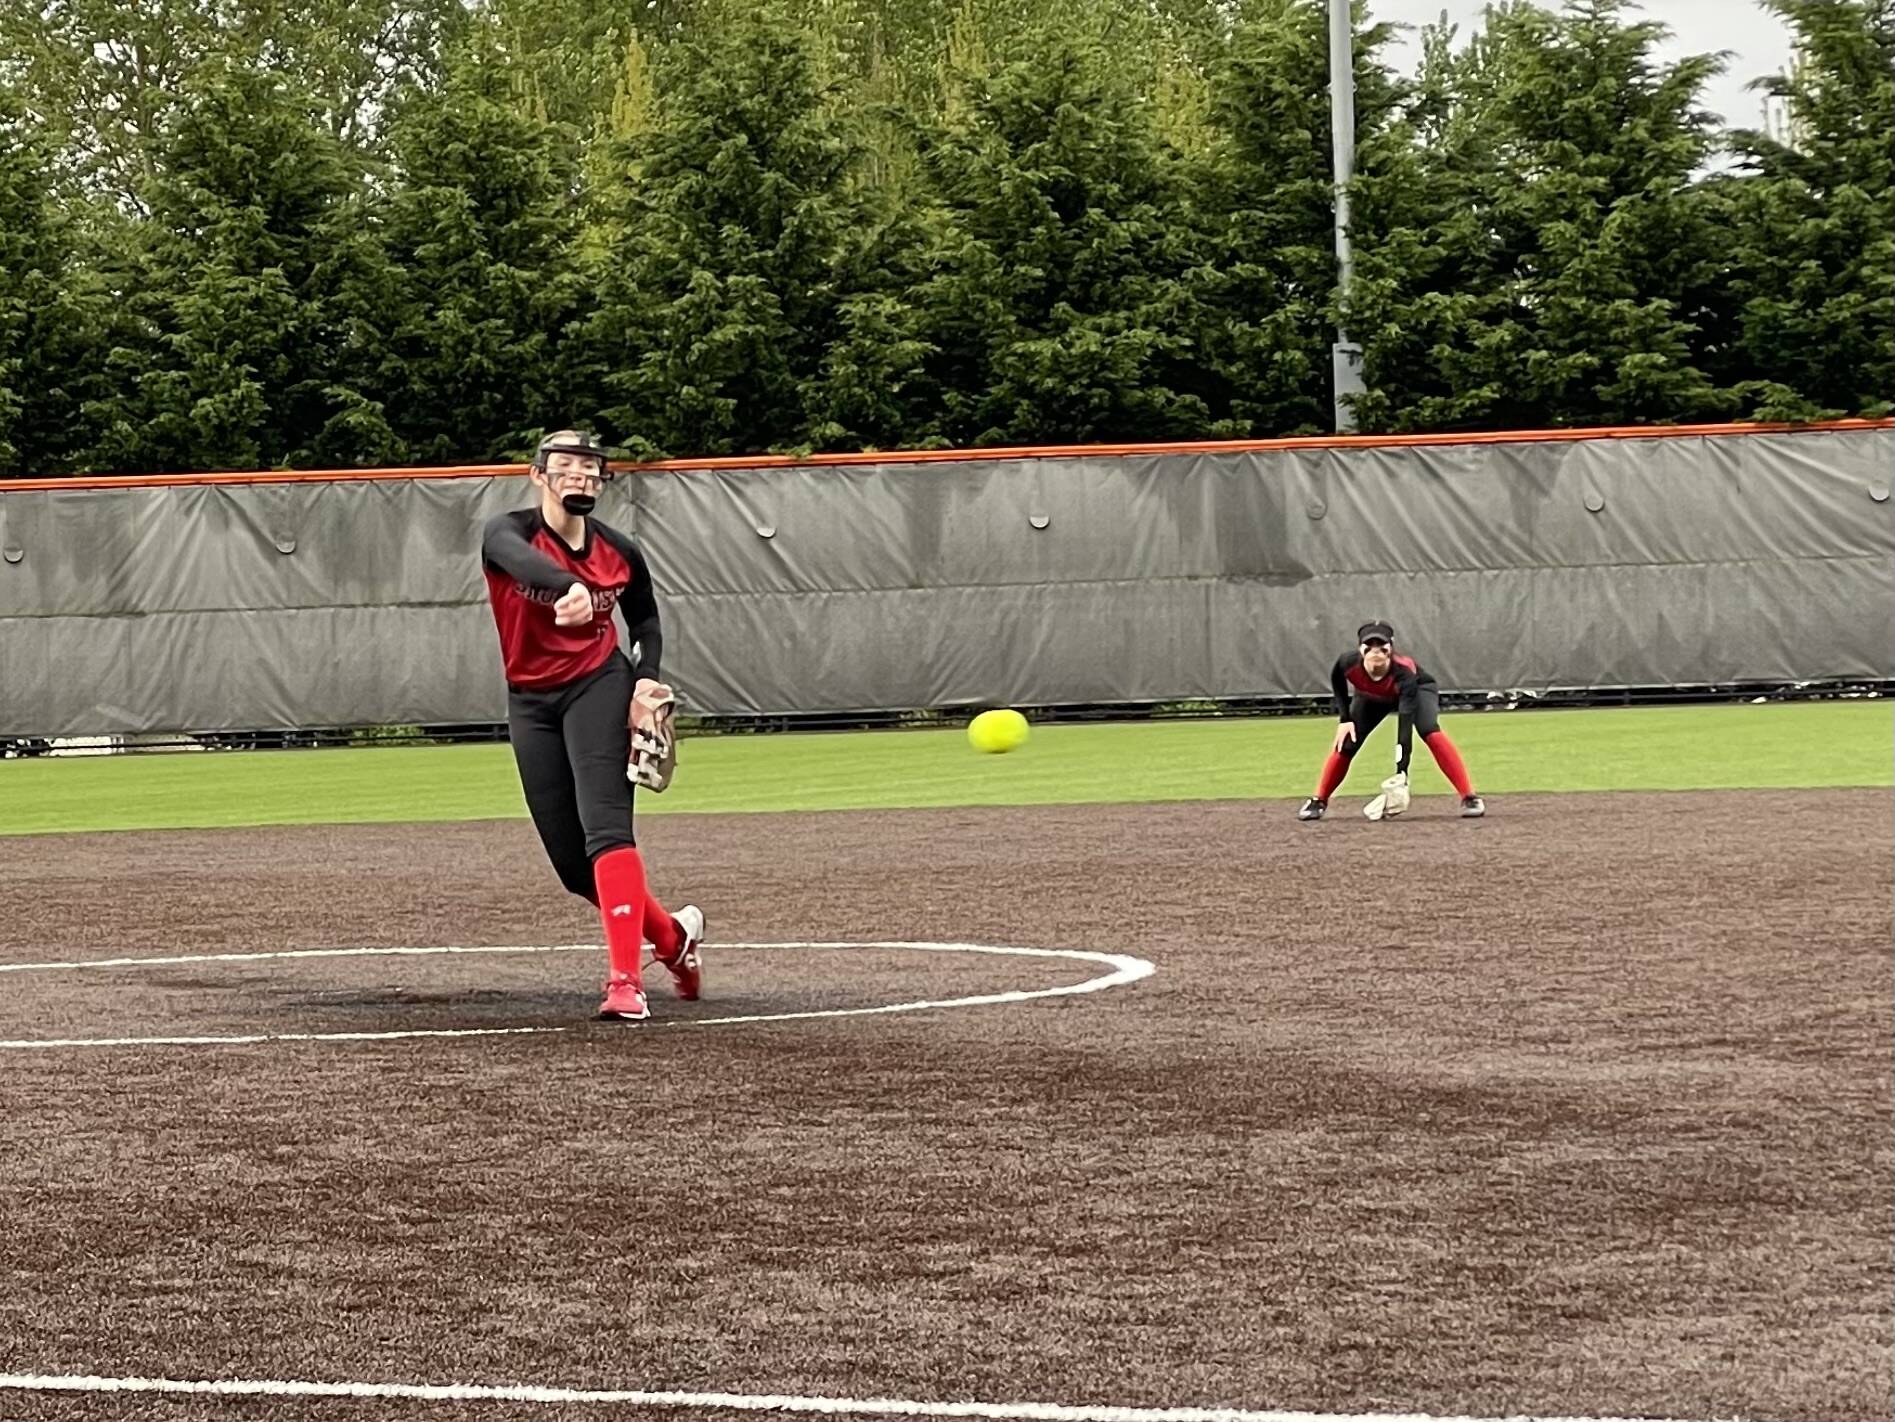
(1124, 969)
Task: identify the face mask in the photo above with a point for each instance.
(577, 503)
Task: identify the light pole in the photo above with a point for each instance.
(1345, 355)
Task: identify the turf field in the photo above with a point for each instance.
(1777, 746)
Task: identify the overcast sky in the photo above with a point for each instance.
(1758, 41)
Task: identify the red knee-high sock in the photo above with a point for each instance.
(1334, 769)
(620, 875)
(661, 929)
(1449, 759)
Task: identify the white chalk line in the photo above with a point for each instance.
(732, 1401)
(78, 963)
(1124, 969)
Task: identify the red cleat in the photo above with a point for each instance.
(624, 1000)
(687, 966)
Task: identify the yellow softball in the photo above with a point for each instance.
(996, 732)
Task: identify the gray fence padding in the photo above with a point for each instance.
(1598, 563)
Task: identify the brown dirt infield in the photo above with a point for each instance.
(1582, 1109)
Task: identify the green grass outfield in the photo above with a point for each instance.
(1640, 748)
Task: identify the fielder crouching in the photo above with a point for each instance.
(1369, 683)
(585, 723)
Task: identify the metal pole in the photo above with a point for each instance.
(1345, 355)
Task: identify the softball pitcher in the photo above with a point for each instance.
(586, 722)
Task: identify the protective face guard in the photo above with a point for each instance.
(574, 443)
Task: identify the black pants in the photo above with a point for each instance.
(572, 744)
(1367, 714)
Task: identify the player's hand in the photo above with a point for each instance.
(648, 697)
(575, 608)
(1345, 733)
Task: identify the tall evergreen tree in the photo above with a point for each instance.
(1057, 302)
(1265, 191)
(1813, 219)
(35, 312)
(735, 245)
(251, 313)
(1549, 257)
(481, 230)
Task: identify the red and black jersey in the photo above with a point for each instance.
(529, 568)
(1401, 683)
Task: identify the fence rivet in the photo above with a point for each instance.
(1038, 520)
(1315, 508)
(766, 530)
(13, 555)
(285, 543)
(1879, 492)
(1594, 502)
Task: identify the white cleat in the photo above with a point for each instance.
(687, 968)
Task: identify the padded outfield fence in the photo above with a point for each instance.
(1543, 567)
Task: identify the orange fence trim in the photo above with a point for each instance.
(945, 456)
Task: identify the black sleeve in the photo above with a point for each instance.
(1339, 682)
(640, 606)
(1408, 682)
(504, 545)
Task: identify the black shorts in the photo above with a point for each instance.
(1367, 714)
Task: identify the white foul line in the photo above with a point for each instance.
(732, 1401)
(236, 1039)
(290, 953)
(1125, 969)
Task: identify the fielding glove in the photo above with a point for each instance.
(654, 744)
(1392, 801)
